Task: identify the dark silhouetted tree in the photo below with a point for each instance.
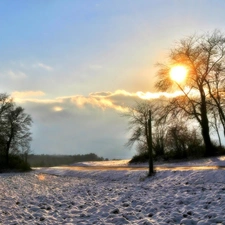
(5, 104)
(18, 135)
(15, 135)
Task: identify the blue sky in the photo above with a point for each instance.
(74, 64)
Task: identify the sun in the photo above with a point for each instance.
(178, 73)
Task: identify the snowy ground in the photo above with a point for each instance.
(215, 161)
(114, 197)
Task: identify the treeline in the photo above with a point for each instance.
(15, 135)
(59, 160)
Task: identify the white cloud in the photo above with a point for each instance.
(16, 75)
(43, 66)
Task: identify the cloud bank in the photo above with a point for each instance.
(119, 100)
(81, 124)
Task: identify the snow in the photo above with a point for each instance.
(214, 161)
(67, 196)
(104, 163)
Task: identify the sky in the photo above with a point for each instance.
(75, 65)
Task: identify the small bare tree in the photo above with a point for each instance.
(138, 117)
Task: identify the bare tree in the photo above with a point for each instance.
(204, 57)
(138, 115)
(215, 79)
(182, 141)
(15, 131)
(19, 135)
(159, 134)
(5, 104)
(137, 118)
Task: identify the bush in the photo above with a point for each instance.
(141, 158)
(219, 150)
(18, 164)
(194, 151)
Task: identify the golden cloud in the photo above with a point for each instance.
(149, 95)
(21, 96)
(25, 94)
(101, 102)
(118, 100)
(57, 108)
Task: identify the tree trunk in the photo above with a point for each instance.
(7, 154)
(151, 169)
(8, 144)
(209, 151)
(207, 141)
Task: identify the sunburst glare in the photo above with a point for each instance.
(178, 73)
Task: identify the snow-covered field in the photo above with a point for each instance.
(214, 161)
(114, 197)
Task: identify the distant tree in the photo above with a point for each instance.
(204, 56)
(159, 135)
(58, 160)
(176, 139)
(182, 141)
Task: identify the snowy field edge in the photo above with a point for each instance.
(213, 161)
